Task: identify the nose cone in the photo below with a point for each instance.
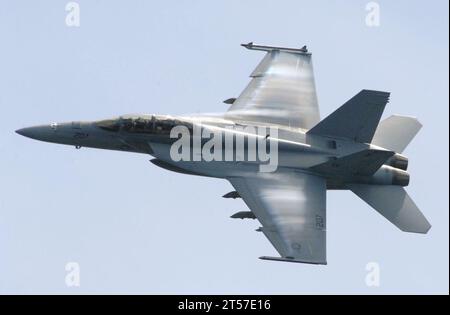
(43, 133)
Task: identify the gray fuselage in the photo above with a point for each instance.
(151, 134)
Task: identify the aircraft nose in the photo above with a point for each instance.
(27, 132)
(35, 132)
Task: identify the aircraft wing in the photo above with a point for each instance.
(282, 90)
(291, 207)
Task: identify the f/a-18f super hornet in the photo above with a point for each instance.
(348, 150)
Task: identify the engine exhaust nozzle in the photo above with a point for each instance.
(398, 161)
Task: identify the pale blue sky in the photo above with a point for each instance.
(135, 228)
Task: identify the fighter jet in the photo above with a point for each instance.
(276, 152)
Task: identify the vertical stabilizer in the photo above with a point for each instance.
(357, 119)
(396, 132)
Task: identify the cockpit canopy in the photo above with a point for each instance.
(108, 124)
(145, 124)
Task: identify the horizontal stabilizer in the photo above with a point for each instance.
(394, 204)
(362, 163)
(396, 132)
(357, 119)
